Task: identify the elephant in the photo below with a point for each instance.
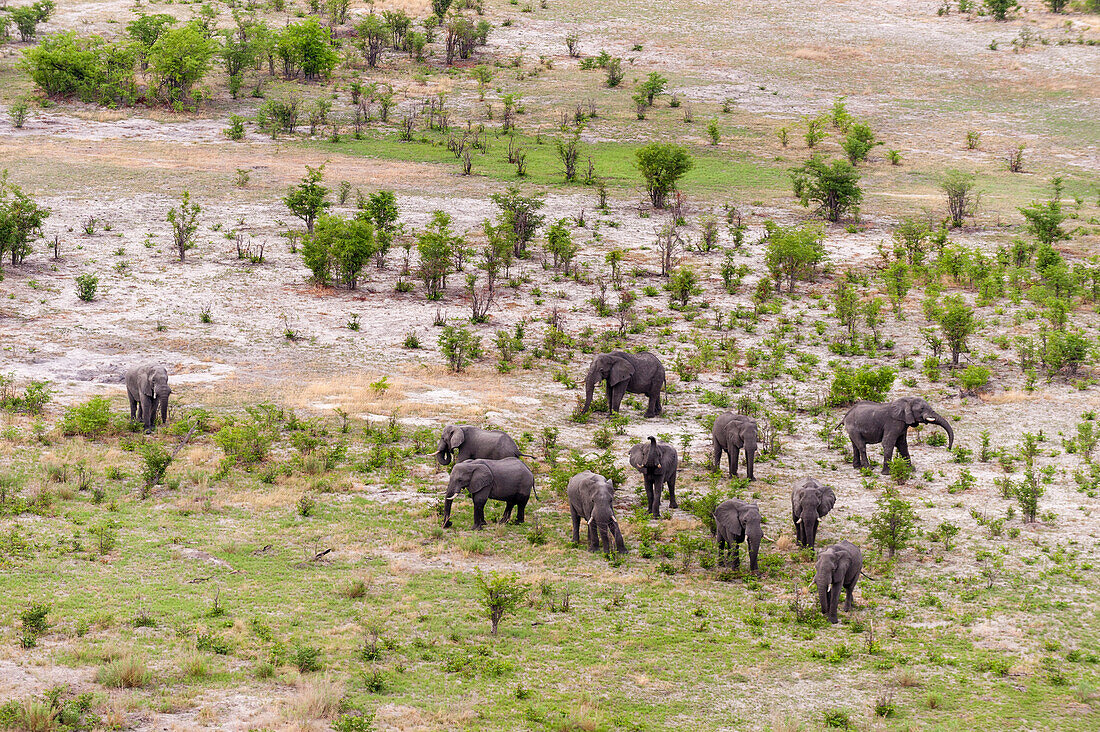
(507, 480)
(657, 463)
(868, 423)
(590, 496)
(732, 433)
(838, 566)
(810, 502)
(148, 391)
(638, 373)
(734, 522)
(463, 442)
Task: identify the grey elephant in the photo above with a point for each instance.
(637, 373)
(657, 462)
(148, 391)
(869, 423)
(590, 495)
(733, 433)
(810, 502)
(736, 521)
(463, 442)
(838, 566)
(507, 480)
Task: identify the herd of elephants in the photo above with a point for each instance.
(487, 465)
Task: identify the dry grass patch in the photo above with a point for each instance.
(128, 672)
(315, 699)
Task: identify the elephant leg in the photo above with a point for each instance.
(858, 450)
(903, 447)
(722, 552)
(521, 506)
(734, 453)
(593, 538)
(848, 599)
(750, 460)
(576, 528)
(736, 549)
(654, 407)
(649, 496)
(479, 515)
(717, 456)
(617, 394)
(887, 453)
(507, 510)
(147, 413)
(611, 405)
(672, 492)
(133, 409)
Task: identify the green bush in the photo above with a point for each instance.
(901, 470)
(179, 59)
(834, 186)
(88, 68)
(974, 377)
(893, 522)
(851, 385)
(662, 165)
(338, 249)
(155, 460)
(245, 443)
(459, 346)
(90, 419)
(86, 286)
(307, 658)
(35, 396)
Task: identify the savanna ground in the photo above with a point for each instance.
(208, 601)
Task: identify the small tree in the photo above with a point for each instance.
(21, 221)
(145, 31)
(834, 187)
(1044, 221)
(652, 87)
(500, 595)
(858, 142)
(27, 18)
(893, 521)
(179, 59)
(436, 246)
(662, 165)
(459, 346)
(381, 210)
(1000, 9)
(962, 196)
(1033, 485)
(957, 321)
(307, 200)
(521, 215)
(185, 222)
(846, 309)
(338, 249)
(793, 253)
(560, 244)
(683, 283)
(374, 35)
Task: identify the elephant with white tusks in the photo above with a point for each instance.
(810, 502)
(736, 521)
(507, 480)
(869, 423)
(148, 391)
(590, 496)
(838, 566)
(463, 442)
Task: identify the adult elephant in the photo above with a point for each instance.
(810, 502)
(638, 373)
(869, 423)
(657, 462)
(590, 496)
(733, 433)
(462, 442)
(507, 480)
(148, 391)
(736, 521)
(838, 566)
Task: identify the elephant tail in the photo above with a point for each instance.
(864, 574)
(535, 491)
(529, 457)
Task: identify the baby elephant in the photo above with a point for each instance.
(507, 480)
(148, 391)
(657, 462)
(590, 496)
(838, 566)
(810, 502)
(732, 433)
(735, 521)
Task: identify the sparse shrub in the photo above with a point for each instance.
(865, 382)
(901, 470)
(86, 286)
(307, 658)
(155, 461)
(893, 522)
(838, 719)
(499, 595)
(962, 195)
(662, 165)
(833, 187)
(459, 346)
(90, 419)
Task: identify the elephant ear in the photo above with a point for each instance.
(736, 527)
(902, 410)
(481, 479)
(458, 436)
(828, 500)
(621, 371)
(637, 456)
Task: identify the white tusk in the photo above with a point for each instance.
(798, 521)
(766, 537)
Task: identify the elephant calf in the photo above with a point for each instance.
(463, 442)
(148, 391)
(732, 433)
(810, 502)
(869, 423)
(507, 480)
(590, 496)
(657, 462)
(838, 566)
(734, 522)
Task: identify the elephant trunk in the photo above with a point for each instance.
(605, 537)
(589, 387)
(653, 461)
(946, 428)
(823, 597)
(834, 599)
(443, 454)
(447, 512)
(754, 534)
(162, 407)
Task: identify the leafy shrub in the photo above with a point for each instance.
(338, 249)
(793, 253)
(86, 286)
(35, 396)
(88, 68)
(865, 382)
(155, 461)
(893, 522)
(834, 187)
(459, 346)
(662, 165)
(974, 377)
(245, 442)
(90, 419)
(499, 595)
(901, 470)
(307, 658)
(838, 719)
